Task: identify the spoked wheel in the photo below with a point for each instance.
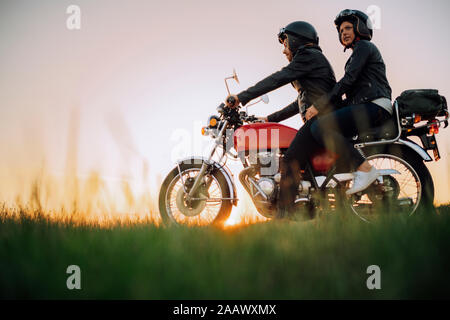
(397, 194)
(210, 204)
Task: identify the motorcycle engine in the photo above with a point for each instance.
(267, 167)
(268, 163)
(267, 185)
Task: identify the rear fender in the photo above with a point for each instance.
(418, 149)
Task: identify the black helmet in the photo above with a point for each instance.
(362, 25)
(300, 32)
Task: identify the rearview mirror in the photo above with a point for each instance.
(235, 77)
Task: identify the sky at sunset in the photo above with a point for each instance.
(125, 93)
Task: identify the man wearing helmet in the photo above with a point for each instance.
(312, 76)
(368, 97)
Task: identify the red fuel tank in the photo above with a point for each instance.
(263, 136)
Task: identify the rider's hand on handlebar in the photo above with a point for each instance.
(311, 112)
(232, 101)
(262, 119)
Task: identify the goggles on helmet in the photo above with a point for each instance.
(282, 35)
(346, 13)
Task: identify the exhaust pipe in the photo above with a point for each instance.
(249, 171)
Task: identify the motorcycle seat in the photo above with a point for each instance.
(386, 131)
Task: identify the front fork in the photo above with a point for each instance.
(205, 164)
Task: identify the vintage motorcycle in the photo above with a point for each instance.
(201, 191)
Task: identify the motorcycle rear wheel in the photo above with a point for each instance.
(401, 194)
(175, 210)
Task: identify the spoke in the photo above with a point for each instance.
(408, 184)
(210, 210)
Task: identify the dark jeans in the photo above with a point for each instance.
(333, 130)
(295, 158)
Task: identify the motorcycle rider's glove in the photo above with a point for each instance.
(232, 101)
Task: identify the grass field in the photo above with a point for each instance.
(326, 258)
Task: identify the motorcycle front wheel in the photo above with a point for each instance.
(211, 204)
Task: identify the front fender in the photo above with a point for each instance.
(222, 168)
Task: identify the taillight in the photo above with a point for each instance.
(433, 127)
(417, 118)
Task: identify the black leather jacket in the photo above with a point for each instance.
(364, 79)
(311, 75)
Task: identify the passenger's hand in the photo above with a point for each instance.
(311, 112)
(262, 119)
(232, 101)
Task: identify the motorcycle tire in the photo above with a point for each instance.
(415, 166)
(220, 180)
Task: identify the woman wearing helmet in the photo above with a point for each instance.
(368, 97)
(312, 76)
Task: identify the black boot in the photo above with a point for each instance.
(288, 189)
